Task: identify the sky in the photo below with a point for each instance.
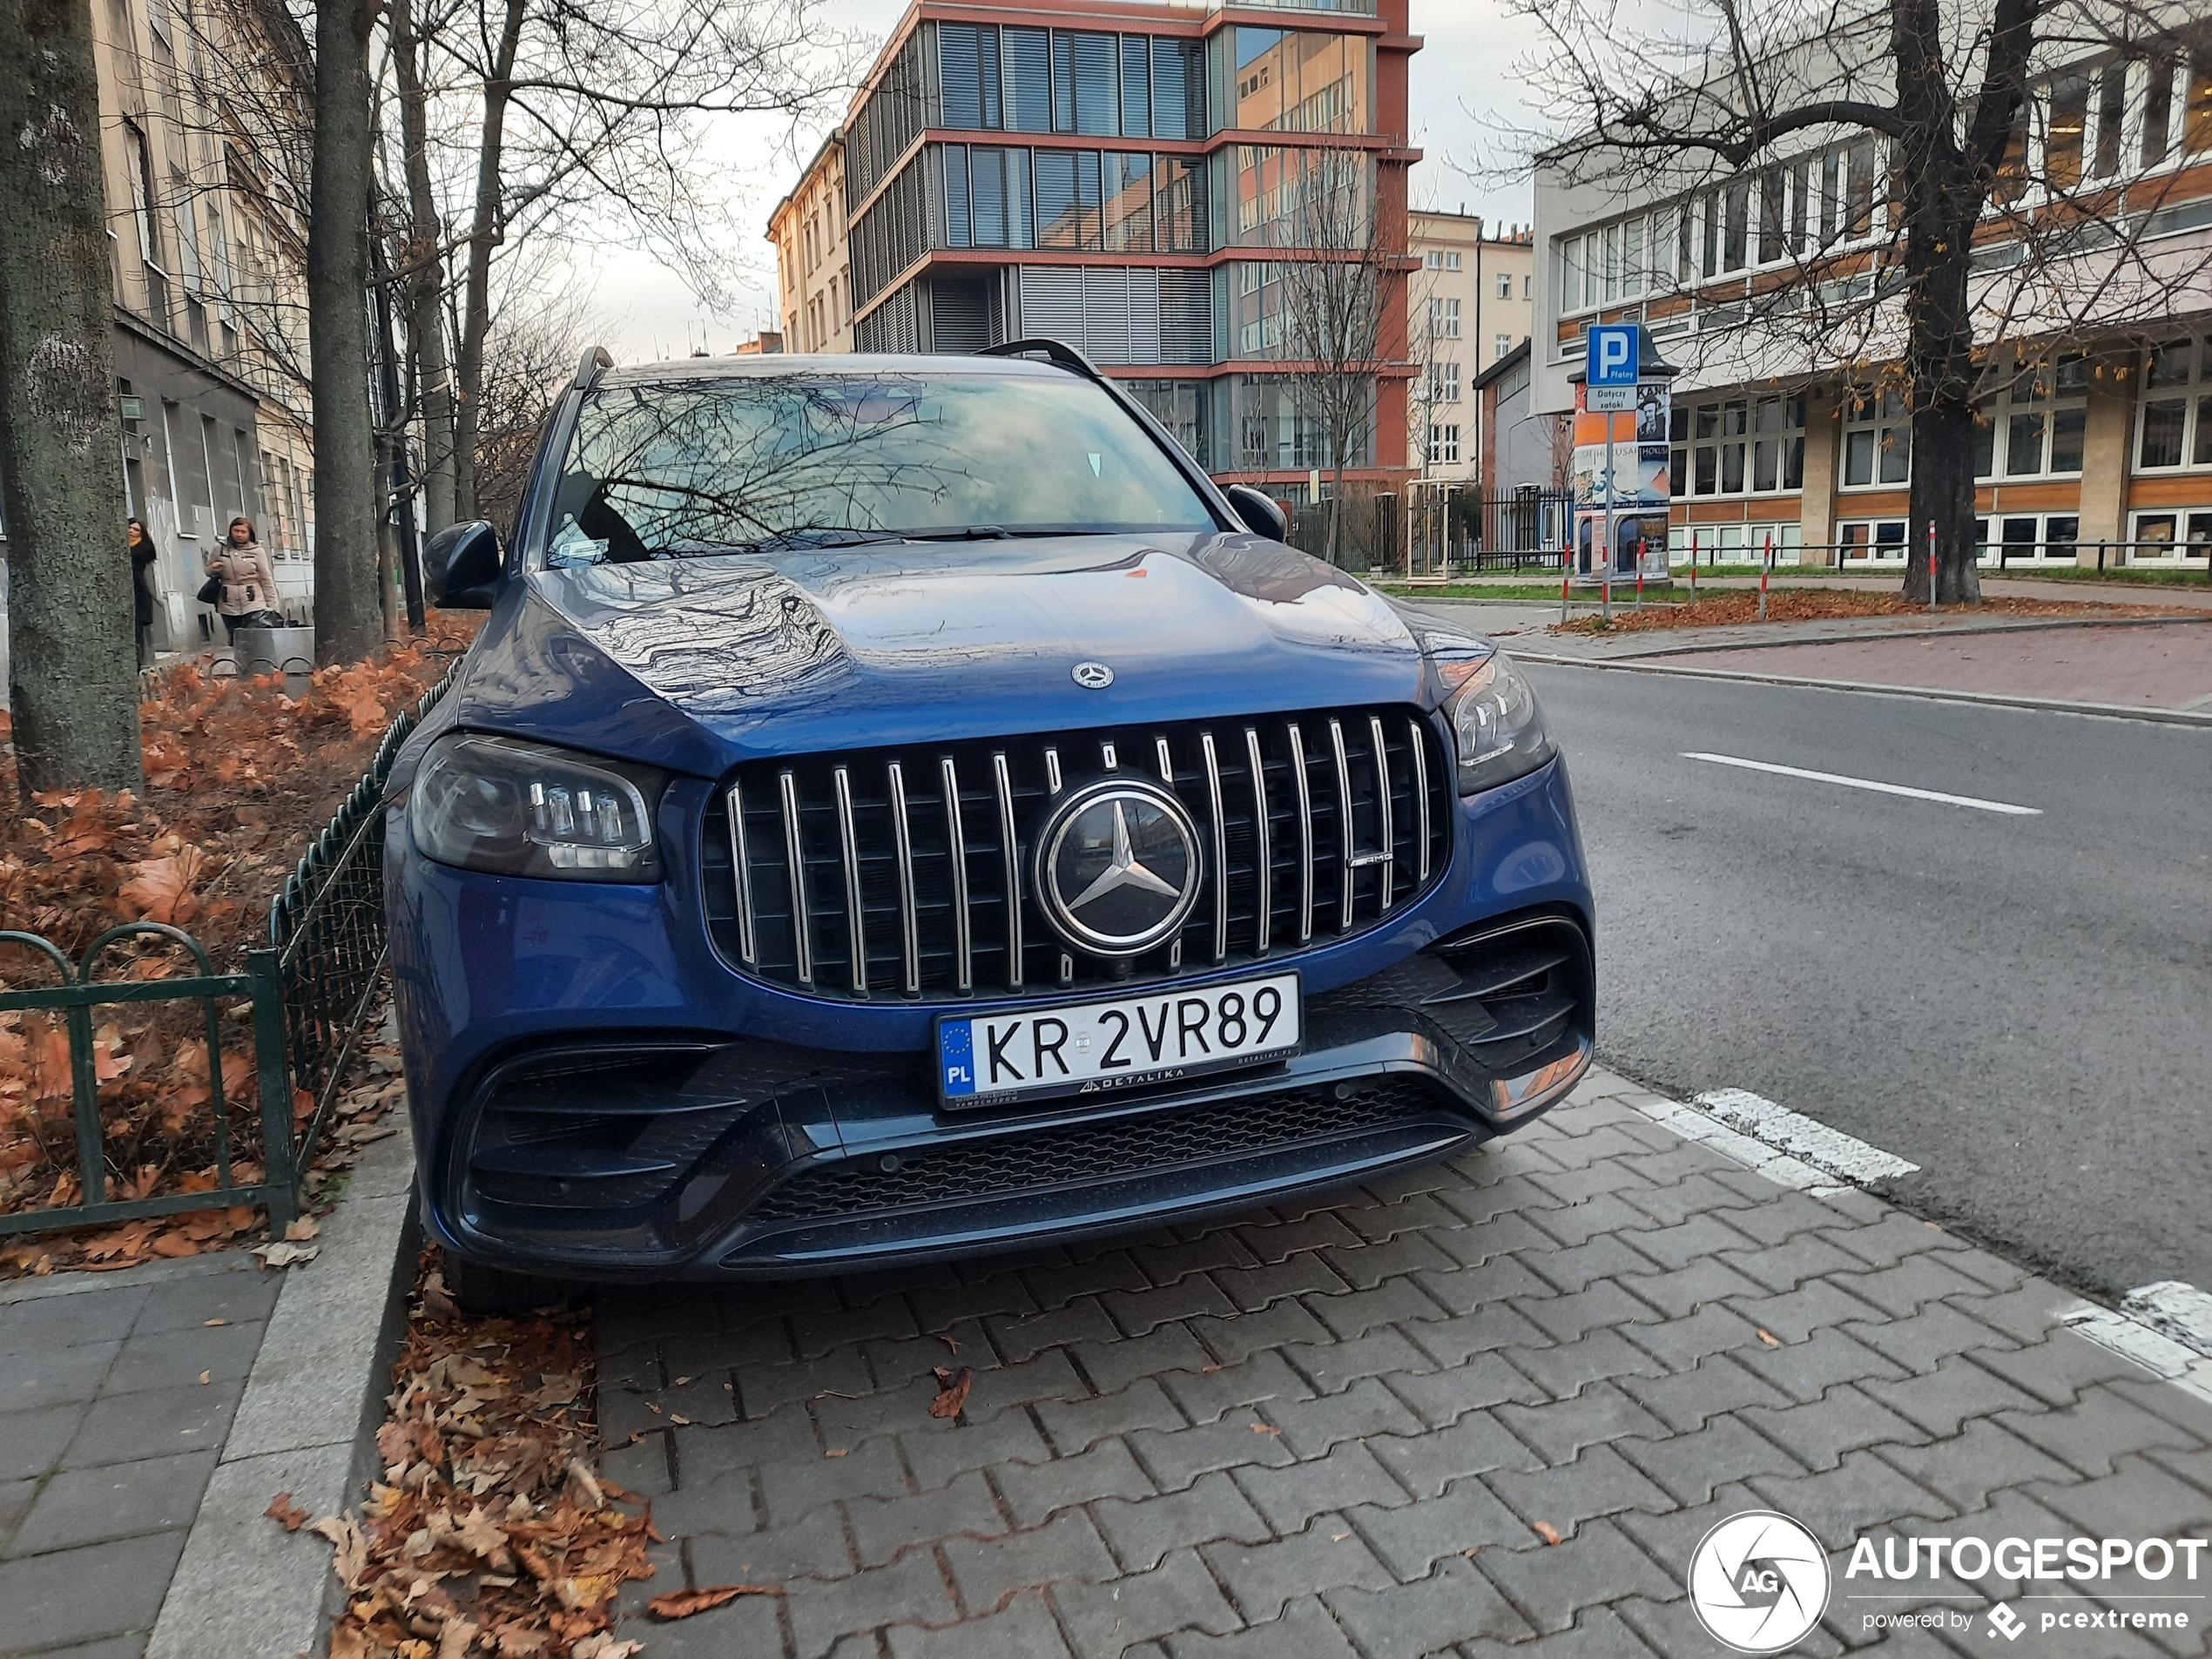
(1463, 83)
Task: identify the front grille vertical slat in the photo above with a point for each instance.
(802, 931)
(848, 850)
(1305, 791)
(956, 847)
(1218, 845)
(1263, 851)
(902, 842)
(1011, 859)
(741, 875)
(1420, 802)
(1389, 841)
(1348, 838)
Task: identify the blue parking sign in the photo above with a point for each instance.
(1613, 359)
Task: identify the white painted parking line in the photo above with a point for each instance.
(1802, 1138)
(1973, 801)
(2165, 1328)
(1786, 1147)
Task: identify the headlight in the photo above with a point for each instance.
(1495, 724)
(525, 809)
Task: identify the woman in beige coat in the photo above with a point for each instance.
(248, 579)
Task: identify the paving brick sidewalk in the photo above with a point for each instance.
(1343, 1427)
(116, 1394)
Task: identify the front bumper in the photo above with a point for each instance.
(595, 1095)
(671, 1158)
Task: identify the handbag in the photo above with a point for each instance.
(211, 590)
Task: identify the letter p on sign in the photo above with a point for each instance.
(1613, 358)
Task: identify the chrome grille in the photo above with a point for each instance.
(903, 873)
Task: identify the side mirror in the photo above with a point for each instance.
(461, 565)
(1261, 515)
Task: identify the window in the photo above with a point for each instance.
(2157, 534)
(1882, 539)
(1877, 439)
(2177, 415)
(1444, 446)
(1435, 261)
(1741, 446)
(1505, 285)
(1443, 319)
(2158, 109)
(2035, 425)
(1499, 345)
(1292, 82)
(1443, 382)
(1040, 80)
(2066, 136)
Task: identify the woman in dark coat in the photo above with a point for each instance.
(142, 556)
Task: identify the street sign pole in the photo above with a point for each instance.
(1615, 359)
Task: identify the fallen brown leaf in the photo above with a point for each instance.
(1548, 1533)
(1266, 1428)
(349, 1550)
(282, 1509)
(1770, 1339)
(952, 1392)
(682, 1604)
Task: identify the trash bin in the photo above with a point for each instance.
(288, 651)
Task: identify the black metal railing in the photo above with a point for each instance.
(310, 991)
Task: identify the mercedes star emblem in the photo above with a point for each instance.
(1093, 677)
(1117, 867)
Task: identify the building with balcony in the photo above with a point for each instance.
(2093, 296)
(1471, 301)
(1131, 178)
(813, 258)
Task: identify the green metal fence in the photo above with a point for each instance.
(310, 990)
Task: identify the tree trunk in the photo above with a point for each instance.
(425, 281)
(487, 230)
(1943, 195)
(73, 659)
(348, 625)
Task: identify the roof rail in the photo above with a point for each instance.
(597, 360)
(1067, 356)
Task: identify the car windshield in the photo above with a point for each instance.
(774, 462)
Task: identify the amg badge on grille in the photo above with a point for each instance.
(1117, 867)
(1093, 677)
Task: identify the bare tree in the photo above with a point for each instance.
(73, 682)
(531, 353)
(1965, 229)
(1337, 290)
(596, 119)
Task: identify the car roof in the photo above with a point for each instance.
(762, 365)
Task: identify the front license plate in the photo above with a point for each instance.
(1117, 1043)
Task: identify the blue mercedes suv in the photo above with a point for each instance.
(900, 807)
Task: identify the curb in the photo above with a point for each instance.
(306, 1424)
(1925, 693)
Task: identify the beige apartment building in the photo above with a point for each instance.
(205, 113)
(814, 260)
(1472, 303)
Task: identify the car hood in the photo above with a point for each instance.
(699, 662)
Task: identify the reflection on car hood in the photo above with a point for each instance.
(900, 642)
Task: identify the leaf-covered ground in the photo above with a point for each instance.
(490, 1532)
(1721, 608)
(240, 778)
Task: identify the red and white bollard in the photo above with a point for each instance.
(1693, 567)
(1766, 564)
(1565, 577)
(1639, 573)
(1931, 568)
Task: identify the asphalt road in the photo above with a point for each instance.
(2022, 1006)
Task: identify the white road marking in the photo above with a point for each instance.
(1801, 1137)
(2165, 1328)
(1786, 1147)
(1869, 783)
